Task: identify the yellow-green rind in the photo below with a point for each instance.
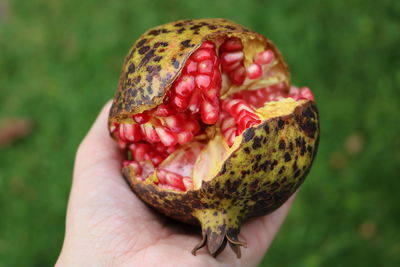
(269, 165)
(158, 56)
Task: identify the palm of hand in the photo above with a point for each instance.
(108, 225)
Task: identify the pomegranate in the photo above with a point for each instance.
(213, 130)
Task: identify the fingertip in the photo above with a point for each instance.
(101, 122)
(98, 143)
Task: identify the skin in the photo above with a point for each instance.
(107, 225)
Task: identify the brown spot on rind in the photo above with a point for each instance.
(282, 144)
(186, 43)
(280, 124)
(175, 63)
(144, 49)
(291, 146)
(157, 58)
(256, 142)
(196, 27)
(248, 134)
(266, 128)
(287, 157)
(141, 42)
(230, 27)
(273, 164)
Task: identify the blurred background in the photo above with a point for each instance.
(60, 62)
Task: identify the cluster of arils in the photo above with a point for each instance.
(232, 63)
(194, 102)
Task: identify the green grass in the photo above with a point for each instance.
(60, 62)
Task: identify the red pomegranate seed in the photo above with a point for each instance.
(163, 110)
(121, 133)
(166, 137)
(231, 67)
(254, 71)
(161, 148)
(245, 112)
(264, 57)
(206, 67)
(212, 94)
(239, 107)
(261, 93)
(227, 123)
(203, 81)
(272, 97)
(149, 133)
(207, 44)
(129, 132)
(231, 139)
(171, 149)
(139, 151)
(294, 93)
(201, 54)
(209, 112)
(194, 102)
(171, 179)
(246, 122)
(180, 102)
(175, 180)
(306, 93)
(141, 118)
(175, 123)
(133, 164)
(162, 176)
(237, 76)
(228, 103)
(191, 67)
(187, 182)
(192, 126)
(136, 133)
(254, 101)
(231, 44)
(226, 132)
(229, 58)
(185, 86)
(184, 137)
(230, 135)
(157, 159)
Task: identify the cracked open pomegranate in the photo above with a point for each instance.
(213, 130)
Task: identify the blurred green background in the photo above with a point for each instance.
(60, 62)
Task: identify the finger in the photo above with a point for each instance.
(97, 146)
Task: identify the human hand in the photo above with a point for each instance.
(107, 225)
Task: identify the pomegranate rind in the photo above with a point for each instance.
(159, 55)
(271, 162)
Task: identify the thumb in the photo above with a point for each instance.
(97, 149)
